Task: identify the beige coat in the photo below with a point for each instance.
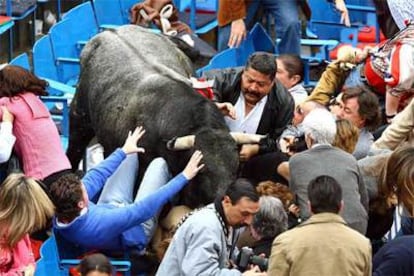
(400, 132)
(323, 245)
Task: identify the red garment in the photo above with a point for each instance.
(13, 262)
(37, 138)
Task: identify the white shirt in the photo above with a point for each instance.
(298, 93)
(243, 123)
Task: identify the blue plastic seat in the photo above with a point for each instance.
(48, 264)
(256, 40)
(70, 35)
(59, 255)
(108, 14)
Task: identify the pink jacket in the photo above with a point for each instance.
(37, 139)
(15, 261)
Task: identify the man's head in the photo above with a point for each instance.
(69, 197)
(319, 127)
(240, 203)
(361, 107)
(303, 109)
(289, 70)
(325, 195)
(258, 76)
(271, 220)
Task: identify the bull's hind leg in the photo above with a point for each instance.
(80, 134)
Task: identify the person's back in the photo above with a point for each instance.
(324, 248)
(334, 162)
(324, 159)
(37, 138)
(324, 244)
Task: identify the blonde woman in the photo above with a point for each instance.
(24, 208)
(397, 180)
(346, 136)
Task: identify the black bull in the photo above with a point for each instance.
(132, 77)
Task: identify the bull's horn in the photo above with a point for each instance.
(181, 143)
(246, 138)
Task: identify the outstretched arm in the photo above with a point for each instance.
(130, 145)
(95, 179)
(121, 219)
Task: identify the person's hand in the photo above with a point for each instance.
(7, 116)
(227, 109)
(237, 34)
(294, 209)
(255, 271)
(131, 141)
(286, 142)
(248, 151)
(193, 166)
(392, 200)
(340, 6)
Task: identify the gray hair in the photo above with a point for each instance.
(320, 125)
(271, 220)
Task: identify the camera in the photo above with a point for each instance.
(247, 257)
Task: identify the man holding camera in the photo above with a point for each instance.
(205, 242)
(324, 244)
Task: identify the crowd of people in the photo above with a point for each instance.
(316, 195)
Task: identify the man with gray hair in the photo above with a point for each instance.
(322, 158)
(267, 224)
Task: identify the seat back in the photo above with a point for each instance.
(108, 13)
(257, 40)
(21, 60)
(43, 61)
(48, 264)
(77, 27)
(68, 254)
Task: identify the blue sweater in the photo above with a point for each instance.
(107, 227)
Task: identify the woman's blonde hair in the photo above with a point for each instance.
(24, 207)
(346, 136)
(398, 177)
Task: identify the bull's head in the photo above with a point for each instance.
(221, 159)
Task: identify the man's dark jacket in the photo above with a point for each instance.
(277, 113)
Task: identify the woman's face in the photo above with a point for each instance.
(282, 75)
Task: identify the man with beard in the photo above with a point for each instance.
(204, 243)
(255, 102)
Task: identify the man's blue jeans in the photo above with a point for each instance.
(287, 24)
(119, 188)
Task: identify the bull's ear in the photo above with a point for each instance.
(181, 143)
(246, 138)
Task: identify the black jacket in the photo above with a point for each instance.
(277, 113)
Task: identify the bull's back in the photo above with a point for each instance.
(123, 74)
